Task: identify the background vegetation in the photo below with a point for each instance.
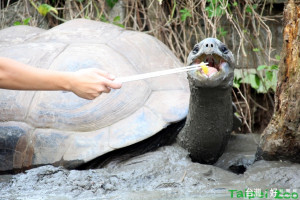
(243, 25)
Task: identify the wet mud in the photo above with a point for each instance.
(167, 173)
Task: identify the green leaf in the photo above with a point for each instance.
(17, 23)
(218, 12)
(253, 80)
(269, 75)
(257, 80)
(44, 9)
(274, 82)
(103, 18)
(237, 82)
(111, 3)
(80, 1)
(274, 67)
(262, 89)
(222, 32)
(235, 4)
(256, 49)
(120, 25)
(261, 67)
(209, 11)
(277, 57)
(26, 21)
(117, 19)
(214, 9)
(248, 9)
(185, 13)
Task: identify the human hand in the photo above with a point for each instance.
(92, 82)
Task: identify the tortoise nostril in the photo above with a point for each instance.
(209, 44)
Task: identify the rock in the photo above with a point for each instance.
(240, 153)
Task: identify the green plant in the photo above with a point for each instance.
(214, 9)
(111, 3)
(222, 32)
(262, 79)
(250, 7)
(116, 21)
(103, 19)
(185, 13)
(23, 22)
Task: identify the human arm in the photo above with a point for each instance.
(86, 83)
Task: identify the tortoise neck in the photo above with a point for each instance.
(208, 124)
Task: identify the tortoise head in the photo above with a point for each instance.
(220, 64)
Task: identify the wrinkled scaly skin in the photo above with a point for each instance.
(210, 118)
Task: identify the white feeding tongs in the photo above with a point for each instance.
(160, 73)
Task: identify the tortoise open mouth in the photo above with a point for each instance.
(214, 64)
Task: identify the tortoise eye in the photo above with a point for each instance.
(224, 49)
(195, 50)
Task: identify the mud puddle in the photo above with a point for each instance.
(167, 173)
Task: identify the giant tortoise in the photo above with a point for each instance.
(59, 128)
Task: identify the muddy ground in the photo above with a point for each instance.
(167, 173)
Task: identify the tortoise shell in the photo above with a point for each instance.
(55, 127)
